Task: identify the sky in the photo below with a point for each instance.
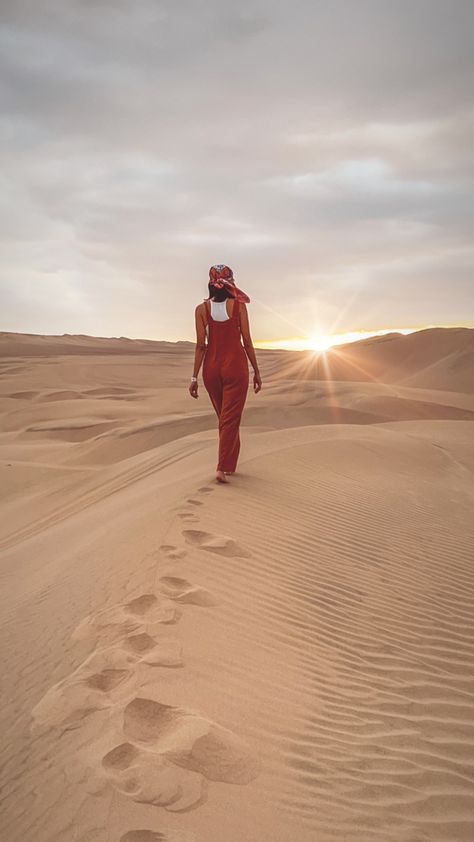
(323, 150)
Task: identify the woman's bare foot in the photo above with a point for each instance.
(220, 476)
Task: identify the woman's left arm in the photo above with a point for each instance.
(200, 349)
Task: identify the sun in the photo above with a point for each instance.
(320, 342)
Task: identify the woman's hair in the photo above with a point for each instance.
(218, 293)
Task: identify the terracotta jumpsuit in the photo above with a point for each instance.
(225, 375)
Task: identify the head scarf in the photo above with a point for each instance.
(223, 276)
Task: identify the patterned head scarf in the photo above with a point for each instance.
(220, 276)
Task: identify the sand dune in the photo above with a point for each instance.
(437, 358)
(290, 657)
(37, 345)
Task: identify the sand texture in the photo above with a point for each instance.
(288, 658)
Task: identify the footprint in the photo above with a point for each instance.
(170, 551)
(114, 624)
(140, 643)
(106, 680)
(120, 757)
(219, 544)
(205, 489)
(106, 676)
(148, 777)
(183, 591)
(146, 720)
(194, 502)
(189, 741)
(165, 653)
(101, 681)
(169, 755)
(188, 516)
(142, 604)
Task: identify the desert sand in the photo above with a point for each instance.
(287, 658)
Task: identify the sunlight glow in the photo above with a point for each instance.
(320, 342)
(323, 342)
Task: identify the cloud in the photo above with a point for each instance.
(322, 150)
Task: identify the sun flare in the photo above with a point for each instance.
(321, 342)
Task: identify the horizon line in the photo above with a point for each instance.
(317, 342)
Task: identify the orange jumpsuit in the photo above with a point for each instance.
(225, 375)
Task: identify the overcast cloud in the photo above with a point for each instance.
(324, 150)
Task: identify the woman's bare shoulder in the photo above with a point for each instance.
(201, 307)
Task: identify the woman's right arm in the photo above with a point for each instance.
(248, 345)
(200, 349)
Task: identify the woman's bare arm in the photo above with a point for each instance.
(248, 345)
(200, 347)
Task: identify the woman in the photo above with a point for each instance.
(225, 371)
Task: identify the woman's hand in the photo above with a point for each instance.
(193, 389)
(257, 382)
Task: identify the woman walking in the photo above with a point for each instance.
(224, 319)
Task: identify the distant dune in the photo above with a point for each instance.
(287, 658)
(39, 345)
(436, 358)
